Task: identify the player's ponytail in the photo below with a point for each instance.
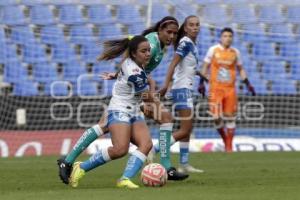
(115, 48)
(181, 32)
(163, 23)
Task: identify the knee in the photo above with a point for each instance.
(146, 147)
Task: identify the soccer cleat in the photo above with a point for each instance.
(76, 175)
(174, 175)
(189, 169)
(64, 170)
(126, 183)
(151, 156)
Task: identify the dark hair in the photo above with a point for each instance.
(227, 29)
(164, 22)
(181, 32)
(115, 48)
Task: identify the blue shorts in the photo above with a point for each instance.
(182, 98)
(115, 116)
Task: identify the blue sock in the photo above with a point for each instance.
(184, 153)
(134, 164)
(99, 158)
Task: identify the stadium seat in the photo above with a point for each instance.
(35, 2)
(181, 11)
(8, 2)
(70, 14)
(243, 14)
(90, 52)
(271, 14)
(281, 33)
(8, 52)
(273, 70)
(72, 71)
(264, 51)
(15, 72)
(81, 34)
(34, 53)
(219, 18)
(63, 53)
(100, 14)
(103, 66)
(60, 88)
(22, 35)
(41, 15)
(128, 14)
(283, 87)
(109, 32)
(293, 14)
(45, 72)
(290, 50)
(207, 2)
(13, 15)
(254, 33)
(87, 88)
(136, 29)
(26, 88)
(52, 35)
(159, 11)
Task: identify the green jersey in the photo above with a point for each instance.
(157, 52)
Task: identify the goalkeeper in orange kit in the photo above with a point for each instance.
(223, 62)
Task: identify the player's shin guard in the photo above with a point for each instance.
(99, 158)
(156, 146)
(164, 144)
(184, 153)
(229, 135)
(134, 164)
(84, 141)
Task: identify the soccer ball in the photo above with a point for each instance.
(154, 175)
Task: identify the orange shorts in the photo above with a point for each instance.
(223, 101)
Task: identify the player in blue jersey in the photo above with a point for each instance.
(183, 70)
(160, 35)
(126, 122)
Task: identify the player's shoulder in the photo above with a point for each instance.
(129, 66)
(234, 49)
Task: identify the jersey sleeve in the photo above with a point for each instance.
(209, 55)
(184, 48)
(135, 78)
(153, 44)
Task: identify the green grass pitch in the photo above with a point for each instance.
(240, 176)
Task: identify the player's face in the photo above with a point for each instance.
(226, 39)
(192, 27)
(168, 34)
(142, 54)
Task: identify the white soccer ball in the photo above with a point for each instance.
(154, 175)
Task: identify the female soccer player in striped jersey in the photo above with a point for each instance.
(160, 35)
(223, 61)
(183, 70)
(125, 119)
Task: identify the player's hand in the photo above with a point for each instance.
(201, 89)
(108, 75)
(163, 91)
(251, 90)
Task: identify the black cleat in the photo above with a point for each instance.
(175, 175)
(64, 170)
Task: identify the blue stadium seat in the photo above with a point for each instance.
(128, 14)
(22, 35)
(90, 52)
(264, 51)
(100, 14)
(260, 86)
(136, 29)
(35, 2)
(15, 72)
(70, 14)
(290, 50)
(72, 71)
(281, 33)
(295, 75)
(253, 33)
(13, 15)
(62, 2)
(103, 66)
(63, 53)
(41, 15)
(45, 72)
(8, 2)
(183, 10)
(34, 53)
(81, 34)
(273, 70)
(207, 2)
(243, 14)
(26, 88)
(293, 14)
(111, 31)
(271, 14)
(87, 88)
(159, 11)
(60, 88)
(218, 18)
(8, 52)
(283, 87)
(52, 35)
